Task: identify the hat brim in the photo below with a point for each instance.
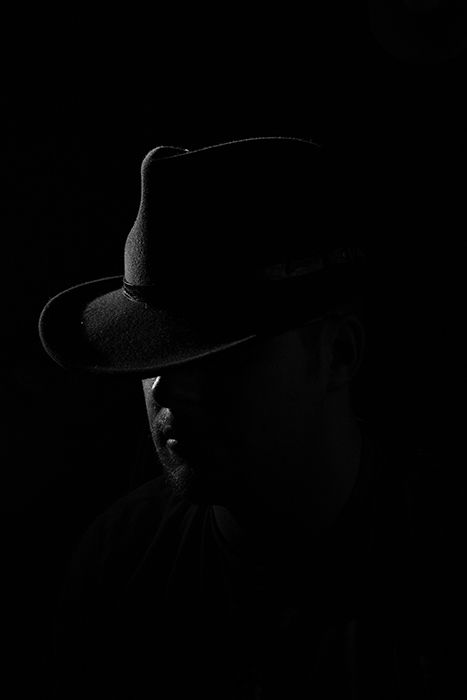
(95, 327)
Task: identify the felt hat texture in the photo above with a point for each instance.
(231, 241)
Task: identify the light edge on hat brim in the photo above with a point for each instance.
(55, 344)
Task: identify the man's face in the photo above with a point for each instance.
(243, 422)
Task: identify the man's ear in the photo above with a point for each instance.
(345, 346)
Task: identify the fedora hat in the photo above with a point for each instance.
(231, 241)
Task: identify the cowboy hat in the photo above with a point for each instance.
(231, 241)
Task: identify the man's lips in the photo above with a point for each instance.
(185, 439)
(176, 435)
(194, 437)
(171, 439)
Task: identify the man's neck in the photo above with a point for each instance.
(341, 464)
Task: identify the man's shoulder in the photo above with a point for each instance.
(150, 497)
(137, 515)
(118, 538)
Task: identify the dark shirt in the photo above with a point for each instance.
(158, 604)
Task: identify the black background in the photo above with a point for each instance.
(83, 102)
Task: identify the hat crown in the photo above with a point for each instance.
(227, 209)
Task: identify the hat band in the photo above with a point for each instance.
(307, 266)
(138, 292)
(283, 271)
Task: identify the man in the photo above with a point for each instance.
(271, 559)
